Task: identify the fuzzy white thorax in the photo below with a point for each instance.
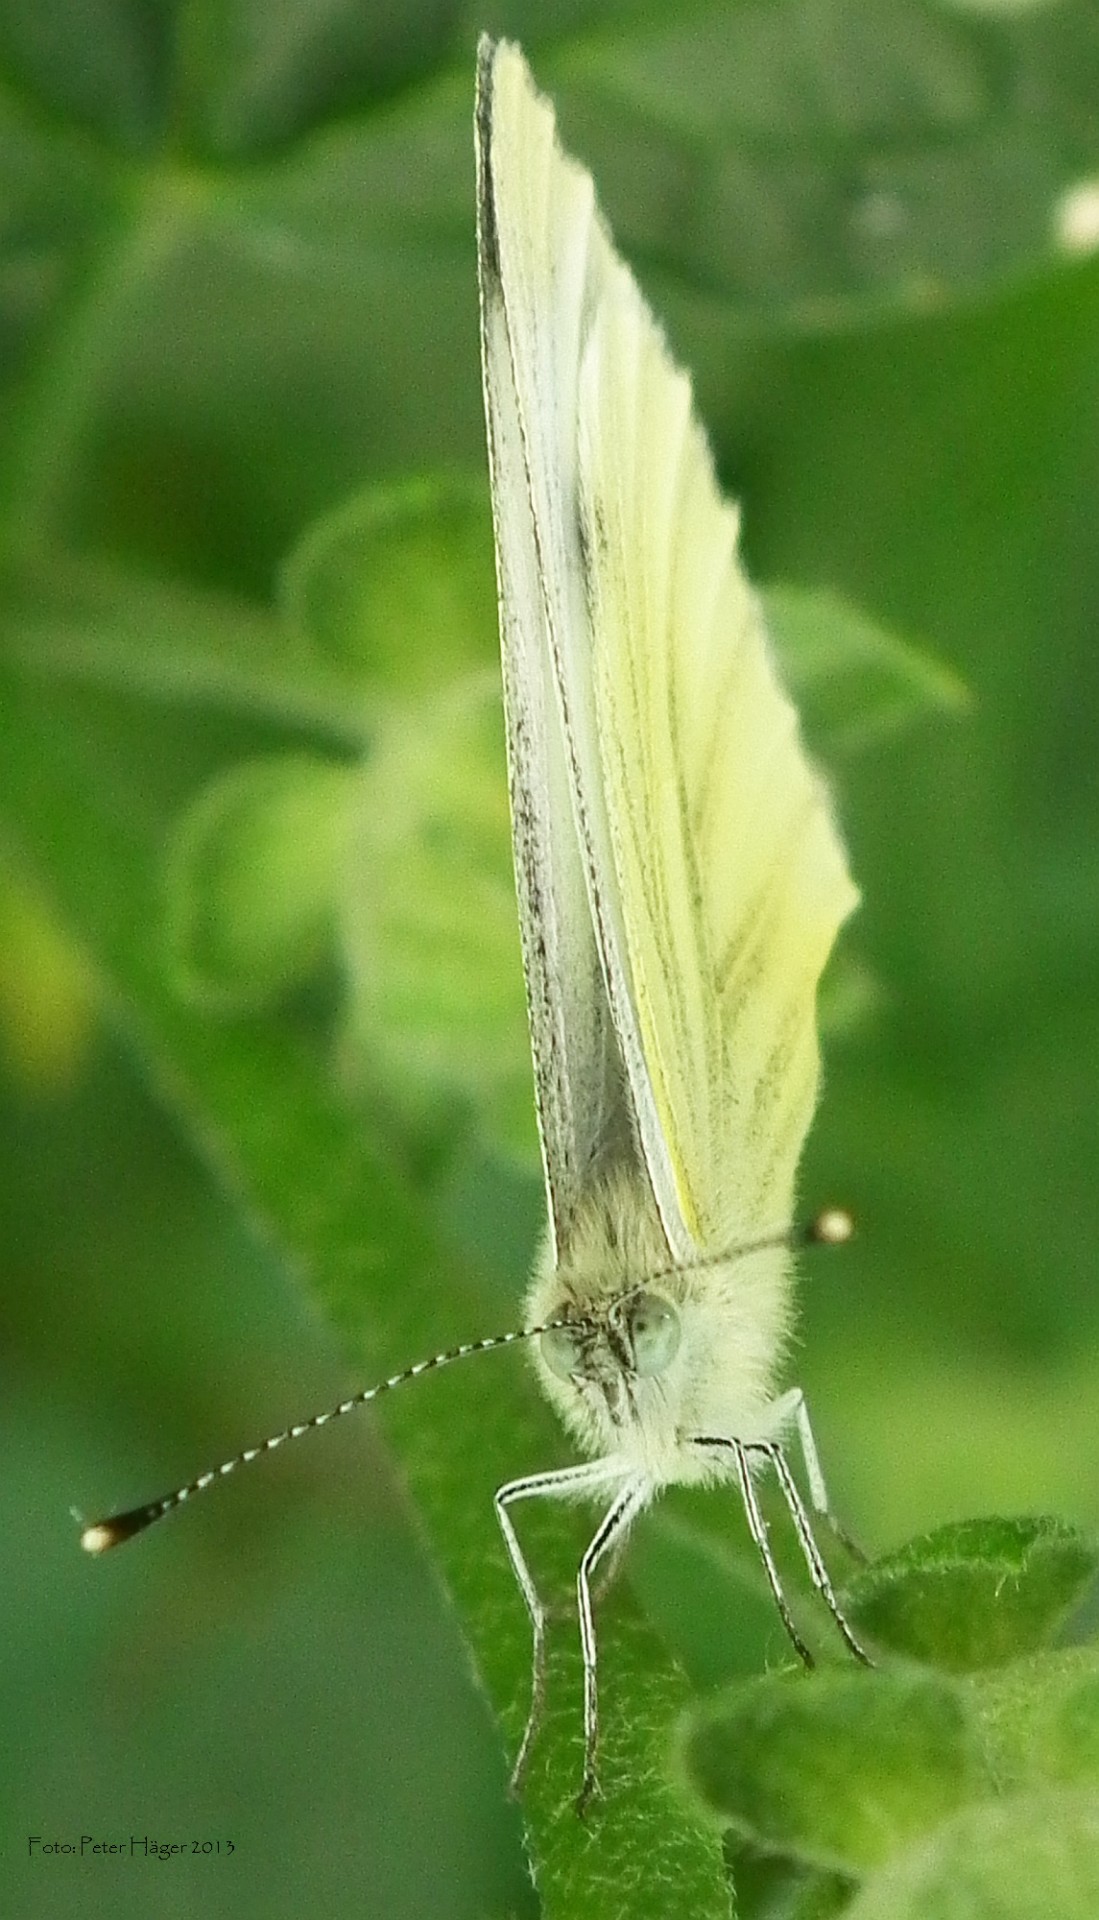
(735, 1319)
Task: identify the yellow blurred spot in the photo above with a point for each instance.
(1076, 218)
(47, 1007)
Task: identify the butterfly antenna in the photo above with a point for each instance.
(102, 1534)
(832, 1227)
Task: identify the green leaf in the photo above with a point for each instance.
(56, 211)
(101, 62)
(260, 73)
(773, 1888)
(388, 597)
(430, 937)
(809, 156)
(975, 1594)
(105, 624)
(256, 870)
(1068, 1740)
(853, 681)
(1039, 1719)
(1033, 1854)
(837, 1769)
(801, 160)
(395, 590)
(253, 341)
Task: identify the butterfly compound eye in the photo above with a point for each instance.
(654, 1333)
(561, 1351)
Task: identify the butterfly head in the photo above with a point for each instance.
(638, 1335)
(611, 1363)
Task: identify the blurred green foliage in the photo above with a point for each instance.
(241, 428)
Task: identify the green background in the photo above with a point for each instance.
(237, 284)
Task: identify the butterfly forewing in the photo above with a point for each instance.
(546, 264)
(578, 1081)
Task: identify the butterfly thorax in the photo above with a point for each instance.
(652, 1352)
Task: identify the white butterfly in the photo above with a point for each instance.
(679, 874)
(680, 885)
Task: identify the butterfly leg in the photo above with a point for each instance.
(818, 1572)
(608, 1539)
(792, 1407)
(757, 1527)
(563, 1484)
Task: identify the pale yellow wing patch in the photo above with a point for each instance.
(731, 876)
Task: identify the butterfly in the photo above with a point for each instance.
(680, 881)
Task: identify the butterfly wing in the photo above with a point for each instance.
(543, 261)
(580, 1092)
(714, 876)
(730, 872)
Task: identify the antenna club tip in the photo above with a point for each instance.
(111, 1532)
(834, 1227)
(98, 1537)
